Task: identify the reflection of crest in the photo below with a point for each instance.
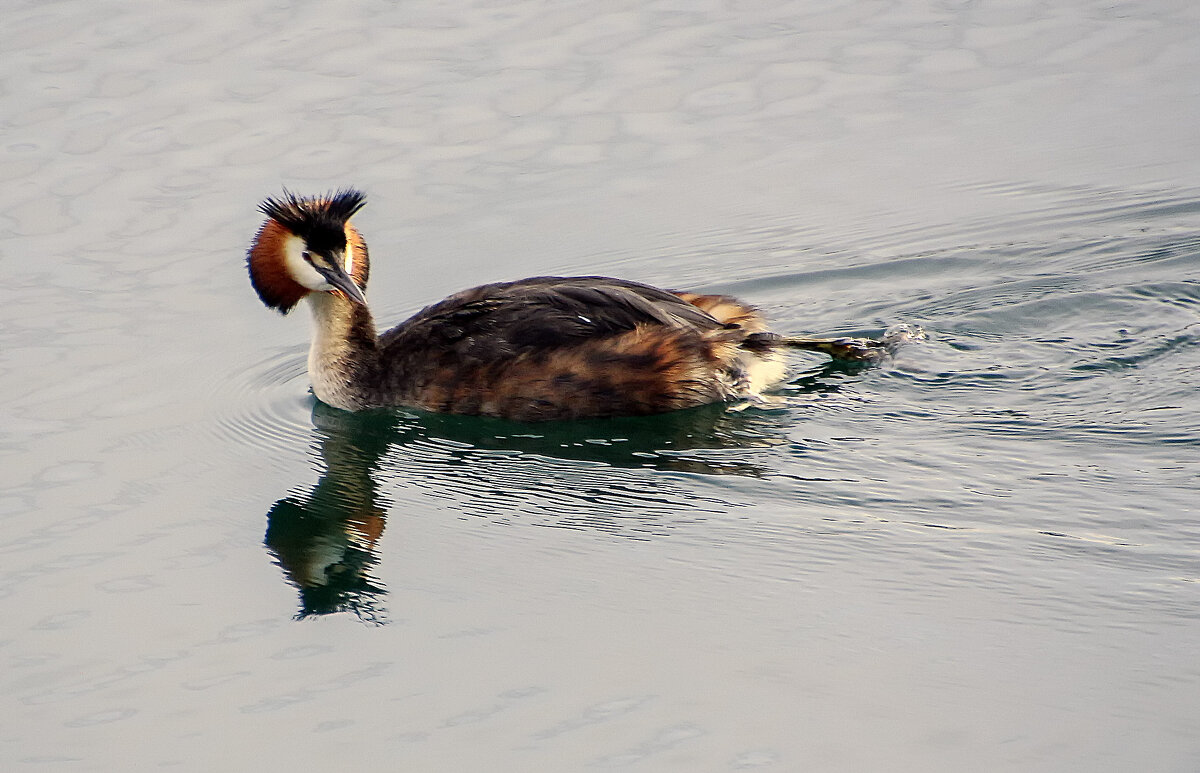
(327, 540)
(328, 554)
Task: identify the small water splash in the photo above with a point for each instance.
(903, 333)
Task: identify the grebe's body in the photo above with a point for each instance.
(531, 350)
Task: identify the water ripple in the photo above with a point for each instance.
(265, 407)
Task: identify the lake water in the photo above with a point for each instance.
(983, 555)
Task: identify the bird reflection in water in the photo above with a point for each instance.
(327, 539)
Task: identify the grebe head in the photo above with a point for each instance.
(308, 245)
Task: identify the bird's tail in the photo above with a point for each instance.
(847, 349)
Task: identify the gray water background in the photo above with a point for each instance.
(984, 555)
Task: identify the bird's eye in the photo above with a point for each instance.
(307, 256)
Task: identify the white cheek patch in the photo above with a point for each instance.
(298, 267)
(349, 260)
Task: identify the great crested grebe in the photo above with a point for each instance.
(531, 350)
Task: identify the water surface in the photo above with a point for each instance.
(984, 554)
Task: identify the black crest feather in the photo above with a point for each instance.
(320, 220)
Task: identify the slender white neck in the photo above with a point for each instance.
(334, 356)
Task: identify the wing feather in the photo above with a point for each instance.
(543, 313)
